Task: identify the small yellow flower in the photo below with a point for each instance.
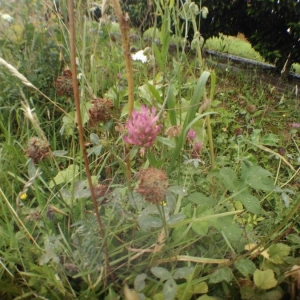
(284, 115)
(23, 196)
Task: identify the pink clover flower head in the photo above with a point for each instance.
(197, 147)
(191, 135)
(142, 127)
(295, 125)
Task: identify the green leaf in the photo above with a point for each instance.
(286, 199)
(269, 140)
(295, 239)
(187, 290)
(250, 202)
(193, 108)
(201, 228)
(247, 292)
(155, 93)
(152, 159)
(229, 228)
(200, 288)
(245, 266)
(139, 282)
(273, 295)
(229, 179)
(95, 138)
(206, 297)
(200, 199)
(171, 201)
(148, 222)
(59, 153)
(81, 189)
(257, 178)
(176, 218)
(69, 124)
(183, 272)
(158, 56)
(166, 141)
(171, 105)
(50, 255)
(65, 176)
(161, 273)
(223, 274)
(178, 190)
(277, 253)
(170, 289)
(158, 296)
(95, 150)
(264, 279)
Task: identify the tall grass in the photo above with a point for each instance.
(222, 222)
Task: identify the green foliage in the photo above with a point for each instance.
(199, 242)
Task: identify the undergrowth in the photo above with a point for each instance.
(206, 209)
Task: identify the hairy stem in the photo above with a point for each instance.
(80, 130)
(124, 27)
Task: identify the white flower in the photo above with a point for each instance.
(143, 55)
(7, 18)
(140, 56)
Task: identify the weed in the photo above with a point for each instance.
(201, 203)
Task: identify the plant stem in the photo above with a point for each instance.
(124, 27)
(212, 90)
(80, 130)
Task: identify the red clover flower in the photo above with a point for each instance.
(191, 135)
(197, 147)
(142, 127)
(295, 125)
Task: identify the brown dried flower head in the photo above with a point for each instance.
(101, 111)
(153, 184)
(101, 190)
(63, 84)
(37, 149)
(173, 131)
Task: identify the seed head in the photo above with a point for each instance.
(37, 149)
(173, 131)
(101, 111)
(142, 127)
(101, 190)
(63, 84)
(153, 184)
